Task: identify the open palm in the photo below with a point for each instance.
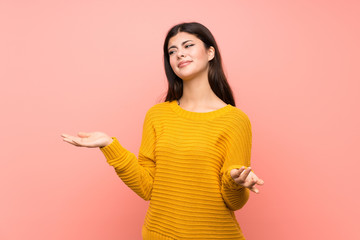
(90, 140)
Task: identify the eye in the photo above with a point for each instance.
(186, 46)
(171, 52)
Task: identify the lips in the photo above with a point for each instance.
(183, 63)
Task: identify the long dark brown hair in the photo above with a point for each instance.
(216, 75)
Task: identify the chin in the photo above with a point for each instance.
(189, 76)
(186, 77)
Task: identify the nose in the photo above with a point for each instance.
(180, 53)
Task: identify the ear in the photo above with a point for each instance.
(211, 53)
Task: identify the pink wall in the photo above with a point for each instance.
(67, 66)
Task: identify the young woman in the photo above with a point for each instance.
(194, 159)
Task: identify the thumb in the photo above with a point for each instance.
(254, 189)
(83, 134)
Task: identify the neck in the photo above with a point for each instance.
(197, 94)
(196, 91)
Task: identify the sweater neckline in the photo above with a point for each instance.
(199, 115)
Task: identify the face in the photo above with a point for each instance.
(188, 56)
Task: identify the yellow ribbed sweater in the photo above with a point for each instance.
(183, 168)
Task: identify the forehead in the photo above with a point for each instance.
(180, 37)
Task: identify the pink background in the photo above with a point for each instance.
(68, 66)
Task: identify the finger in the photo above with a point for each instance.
(70, 141)
(249, 183)
(65, 135)
(260, 181)
(83, 134)
(256, 178)
(254, 189)
(75, 142)
(235, 173)
(244, 174)
(239, 171)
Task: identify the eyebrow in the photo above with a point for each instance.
(173, 46)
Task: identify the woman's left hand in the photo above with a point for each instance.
(246, 178)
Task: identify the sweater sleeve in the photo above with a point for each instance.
(238, 154)
(137, 173)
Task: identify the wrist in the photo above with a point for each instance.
(109, 141)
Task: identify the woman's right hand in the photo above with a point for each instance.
(90, 140)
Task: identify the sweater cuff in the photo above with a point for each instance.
(229, 182)
(114, 153)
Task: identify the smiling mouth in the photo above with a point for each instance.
(183, 64)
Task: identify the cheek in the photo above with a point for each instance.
(172, 63)
(196, 55)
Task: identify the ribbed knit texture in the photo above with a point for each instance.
(183, 168)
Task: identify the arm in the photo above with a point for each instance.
(137, 173)
(238, 154)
